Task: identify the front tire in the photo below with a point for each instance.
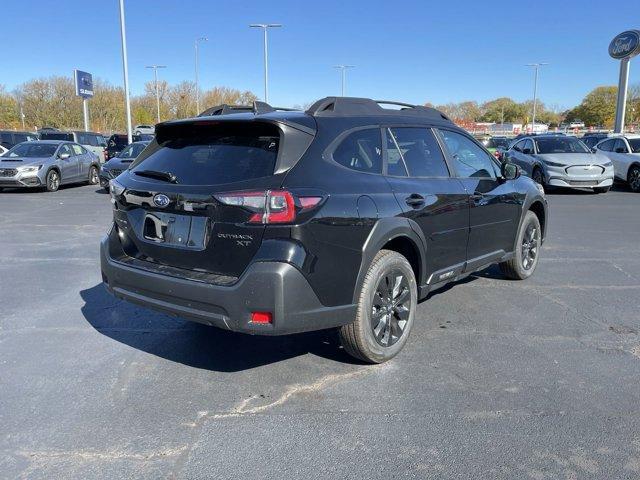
(52, 181)
(527, 249)
(633, 177)
(386, 309)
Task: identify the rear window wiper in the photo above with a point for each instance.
(166, 176)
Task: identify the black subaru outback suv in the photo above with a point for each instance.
(273, 222)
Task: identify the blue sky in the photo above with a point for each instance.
(409, 50)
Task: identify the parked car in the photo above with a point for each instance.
(94, 142)
(48, 164)
(9, 138)
(118, 141)
(561, 161)
(346, 215)
(144, 130)
(624, 153)
(591, 139)
(120, 162)
(497, 146)
(3, 150)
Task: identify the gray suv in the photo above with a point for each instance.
(48, 164)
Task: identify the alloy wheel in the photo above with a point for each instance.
(634, 179)
(529, 250)
(93, 178)
(390, 308)
(537, 177)
(53, 180)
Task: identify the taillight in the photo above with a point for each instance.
(271, 206)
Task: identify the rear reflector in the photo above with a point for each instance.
(261, 317)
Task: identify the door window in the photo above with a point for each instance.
(518, 146)
(469, 159)
(77, 149)
(606, 146)
(418, 151)
(527, 147)
(361, 150)
(395, 163)
(65, 149)
(620, 147)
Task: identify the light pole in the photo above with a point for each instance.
(198, 40)
(265, 27)
(343, 69)
(536, 67)
(155, 76)
(125, 69)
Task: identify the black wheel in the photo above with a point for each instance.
(527, 249)
(633, 178)
(537, 176)
(94, 179)
(386, 309)
(53, 181)
(601, 189)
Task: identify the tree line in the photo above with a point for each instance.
(51, 102)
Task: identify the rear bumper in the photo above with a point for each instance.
(275, 287)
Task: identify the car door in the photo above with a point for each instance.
(419, 176)
(68, 163)
(494, 204)
(606, 148)
(84, 162)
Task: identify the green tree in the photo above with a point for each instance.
(597, 108)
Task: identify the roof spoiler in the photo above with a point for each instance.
(257, 108)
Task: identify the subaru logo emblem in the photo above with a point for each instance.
(161, 200)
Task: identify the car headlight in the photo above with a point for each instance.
(29, 169)
(554, 164)
(607, 164)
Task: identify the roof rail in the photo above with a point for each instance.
(256, 108)
(353, 106)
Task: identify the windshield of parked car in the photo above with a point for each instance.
(634, 143)
(132, 151)
(560, 145)
(31, 150)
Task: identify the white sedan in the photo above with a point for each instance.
(624, 153)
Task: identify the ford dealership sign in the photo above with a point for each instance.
(84, 84)
(625, 45)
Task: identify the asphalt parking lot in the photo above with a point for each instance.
(500, 379)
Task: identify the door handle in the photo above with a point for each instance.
(414, 200)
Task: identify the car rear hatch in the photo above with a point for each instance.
(200, 196)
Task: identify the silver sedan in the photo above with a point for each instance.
(48, 164)
(559, 161)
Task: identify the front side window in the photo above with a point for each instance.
(77, 149)
(518, 146)
(361, 150)
(419, 151)
(65, 149)
(527, 147)
(606, 146)
(620, 147)
(470, 160)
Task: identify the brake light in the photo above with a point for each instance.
(271, 206)
(261, 317)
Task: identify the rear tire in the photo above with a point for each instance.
(52, 181)
(633, 178)
(386, 309)
(527, 249)
(94, 179)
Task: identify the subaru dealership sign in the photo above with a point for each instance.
(625, 45)
(84, 84)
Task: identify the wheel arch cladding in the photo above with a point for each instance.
(537, 208)
(397, 234)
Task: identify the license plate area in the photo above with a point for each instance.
(175, 230)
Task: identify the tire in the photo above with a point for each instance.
(633, 178)
(601, 190)
(53, 181)
(526, 251)
(94, 179)
(537, 176)
(388, 298)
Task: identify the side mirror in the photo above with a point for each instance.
(509, 171)
(63, 156)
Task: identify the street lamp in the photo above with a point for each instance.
(536, 67)
(198, 40)
(343, 69)
(265, 27)
(125, 70)
(155, 75)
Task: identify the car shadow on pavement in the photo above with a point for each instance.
(197, 345)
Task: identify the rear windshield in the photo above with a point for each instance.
(208, 154)
(560, 145)
(56, 136)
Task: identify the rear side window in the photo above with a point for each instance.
(361, 150)
(418, 150)
(207, 155)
